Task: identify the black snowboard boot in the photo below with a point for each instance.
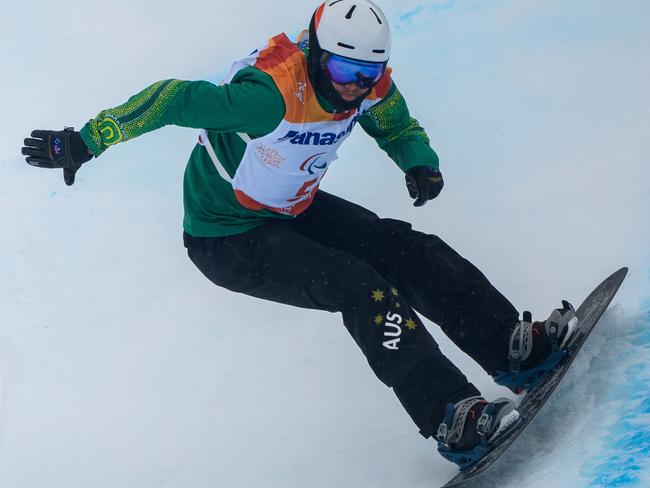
(473, 426)
(537, 347)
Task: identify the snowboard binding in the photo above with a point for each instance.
(472, 427)
(536, 348)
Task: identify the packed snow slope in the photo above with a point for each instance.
(120, 365)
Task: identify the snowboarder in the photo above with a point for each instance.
(255, 221)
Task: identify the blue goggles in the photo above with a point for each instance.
(343, 70)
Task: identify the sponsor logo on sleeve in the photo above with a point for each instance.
(110, 131)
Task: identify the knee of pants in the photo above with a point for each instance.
(400, 250)
(357, 284)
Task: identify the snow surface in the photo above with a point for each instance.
(120, 365)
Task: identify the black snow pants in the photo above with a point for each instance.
(340, 257)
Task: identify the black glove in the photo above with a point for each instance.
(424, 183)
(57, 149)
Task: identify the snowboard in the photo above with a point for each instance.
(588, 313)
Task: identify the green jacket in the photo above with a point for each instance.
(252, 104)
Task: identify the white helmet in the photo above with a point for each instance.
(355, 29)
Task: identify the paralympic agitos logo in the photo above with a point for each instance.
(311, 166)
(318, 138)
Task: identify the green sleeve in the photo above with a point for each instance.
(396, 132)
(250, 103)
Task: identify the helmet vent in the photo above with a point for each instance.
(379, 51)
(378, 19)
(334, 3)
(346, 46)
(349, 14)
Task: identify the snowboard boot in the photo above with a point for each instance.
(537, 348)
(472, 427)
